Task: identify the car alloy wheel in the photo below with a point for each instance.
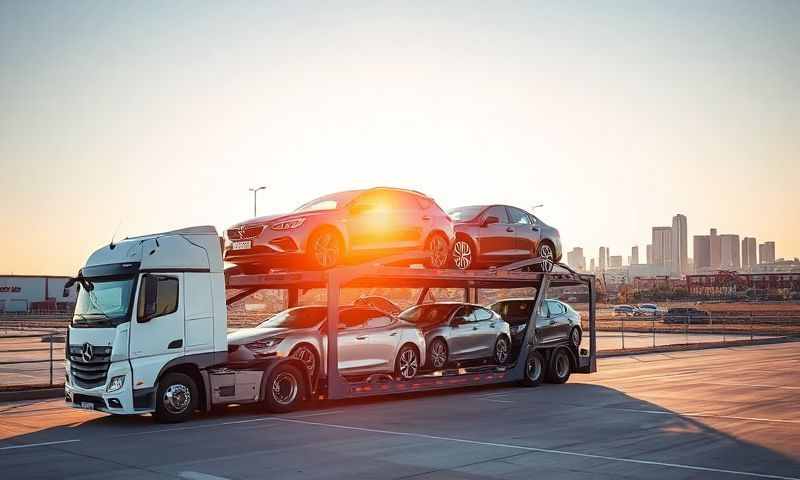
(462, 255)
(546, 254)
(305, 355)
(438, 248)
(575, 336)
(408, 364)
(326, 249)
(501, 351)
(438, 354)
(285, 388)
(177, 398)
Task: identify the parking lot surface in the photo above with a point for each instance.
(723, 413)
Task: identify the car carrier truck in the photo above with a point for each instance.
(149, 330)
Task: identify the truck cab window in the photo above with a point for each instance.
(158, 296)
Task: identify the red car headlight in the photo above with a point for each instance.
(289, 224)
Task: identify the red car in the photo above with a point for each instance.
(344, 226)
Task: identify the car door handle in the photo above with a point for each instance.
(552, 322)
(393, 334)
(426, 217)
(362, 337)
(535, 229)
(491, 325)
(474, 328)
(509, 229)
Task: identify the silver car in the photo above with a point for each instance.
(370, 341)
(459, 332)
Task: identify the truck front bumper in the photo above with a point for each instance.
(99, 398)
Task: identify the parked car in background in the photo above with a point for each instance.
(556, 321)
(381, 303)
(370, 341)
(459, 332)
(648, 310)
(686, 315)
(488, 235)
(336, 228)
(624, 310)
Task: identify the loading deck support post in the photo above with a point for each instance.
(292, 297)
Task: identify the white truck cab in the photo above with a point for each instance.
(134, 324)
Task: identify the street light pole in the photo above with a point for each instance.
(255, 198)
(533, 208)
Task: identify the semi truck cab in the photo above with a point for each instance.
(147, 307)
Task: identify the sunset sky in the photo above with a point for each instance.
(144, 117)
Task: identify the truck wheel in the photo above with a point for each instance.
(534, 370)
(285, 389)
(560, 367)
(177, 398)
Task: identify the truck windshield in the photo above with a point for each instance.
(301, 317)
(108, 302)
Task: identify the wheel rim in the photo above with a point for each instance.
(562, 366)
(308, 358)
(438, 354)
(462, 255)
(576, 337)
(546, 254)
(285, 388)
(408, 364)
(501, 351)
(326, 250)
(534, 368)
(438, 249)
(177, 398)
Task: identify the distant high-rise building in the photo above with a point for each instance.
(749, 247)
(649, 253)
(602, 259)
(576, 260)
(662, 246)
(680, 252)
(729, 252)
(766, 252)
(634, 256)
(591, 264)
(714, 249)
(702, 252)
(615, 261)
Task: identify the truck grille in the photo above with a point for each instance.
(89, 373)
(249, 231)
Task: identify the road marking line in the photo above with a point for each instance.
(542, 450)
(43, 444)
(220, 424)
(200, 476)
(708, 415)
(496, 400)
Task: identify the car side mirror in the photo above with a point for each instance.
(148, 299)
(490, 220)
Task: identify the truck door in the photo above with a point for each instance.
(158, 328)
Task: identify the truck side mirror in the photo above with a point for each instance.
(148, 299)
(490, 220)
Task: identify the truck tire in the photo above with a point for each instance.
(285, 389)
(534, 370)
(560, 366)
(176, 398)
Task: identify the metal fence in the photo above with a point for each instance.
(32, 349)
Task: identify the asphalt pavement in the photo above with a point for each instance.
(722, 413)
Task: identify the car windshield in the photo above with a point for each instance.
(515, 312)
(464, 214)
(328, 202)
(107, 300)
(428, 314)
(302, 317)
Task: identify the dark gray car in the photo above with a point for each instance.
(488, 235)
(555, 322)
(460, 332)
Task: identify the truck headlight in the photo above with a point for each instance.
(116, 383)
